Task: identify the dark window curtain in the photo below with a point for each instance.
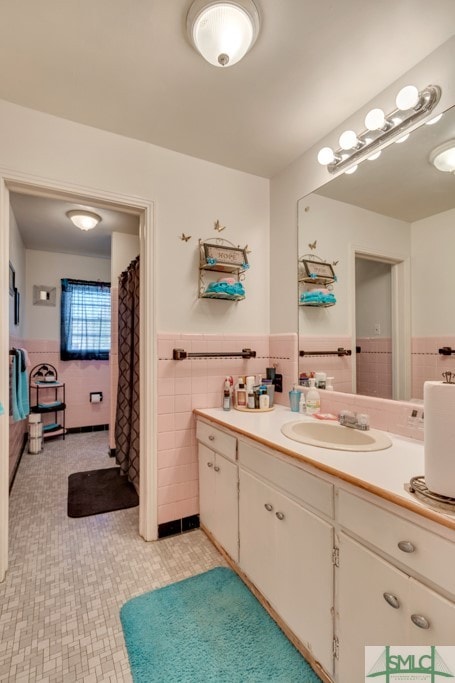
(127, 415)
(85, 322)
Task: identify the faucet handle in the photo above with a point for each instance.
(363, 420)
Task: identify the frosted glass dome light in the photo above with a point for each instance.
(348, 139)
(407, 98)
(351, 170)
(223, 32)
(375, 119)
(326, 156)
(443, 157)
(84, 220)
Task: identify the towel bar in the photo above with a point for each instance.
(180, 354)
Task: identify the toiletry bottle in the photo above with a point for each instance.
(313, 400)
(241, 395)
(294, 399)
(329, 385)
(227, 395)
(250, 397)
(302, 403)
(263, 401)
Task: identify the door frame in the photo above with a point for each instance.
(144, 209)
(401, 317)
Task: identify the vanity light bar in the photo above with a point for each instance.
(412, 106)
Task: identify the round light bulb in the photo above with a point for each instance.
(348, 139)
(374, 156)
(407, 98)
(443, 157)
(352, 170)
(402, 139)
(326, 156)
(375, 119)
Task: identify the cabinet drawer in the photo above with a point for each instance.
(304, 486)
(427, 553)
(217, 440)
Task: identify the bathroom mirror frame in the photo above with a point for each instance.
(399, 198)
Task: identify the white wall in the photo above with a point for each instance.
(339, 229)
(124, 248)
(305, 175)
(433, 250)
(48, 268)
(373, 302)
(17, 259)
(189, 196)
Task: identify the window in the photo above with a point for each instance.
(85, 324)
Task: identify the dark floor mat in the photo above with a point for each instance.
(98, 491)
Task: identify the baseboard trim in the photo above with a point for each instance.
(87, 428)
(178, 526)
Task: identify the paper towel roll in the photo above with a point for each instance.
(439, 437)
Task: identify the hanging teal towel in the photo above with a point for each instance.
(17, 414)
(2, 410)
(21, 385)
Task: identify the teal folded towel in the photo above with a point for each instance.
(15, 404)
(317, 296)
(234, 289)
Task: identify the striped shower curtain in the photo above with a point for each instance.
(127, 414)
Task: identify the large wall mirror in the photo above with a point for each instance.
(385, 322)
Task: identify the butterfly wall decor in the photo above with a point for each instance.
(184, 237)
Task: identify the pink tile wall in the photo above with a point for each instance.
(427, 363)
(283, 355)
(338, 367)
(183, 386)
(80, 378)
(374, 367)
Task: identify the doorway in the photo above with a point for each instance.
(143, 209)
(381, 325)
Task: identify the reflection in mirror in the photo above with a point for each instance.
(387, 231)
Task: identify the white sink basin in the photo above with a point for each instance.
(335, 436)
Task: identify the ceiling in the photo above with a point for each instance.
(44, 226)
(127, 67)
(402, 183)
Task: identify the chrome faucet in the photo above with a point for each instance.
(354, 420)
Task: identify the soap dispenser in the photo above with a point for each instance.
(313, 400)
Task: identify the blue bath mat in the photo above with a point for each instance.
(208, 629)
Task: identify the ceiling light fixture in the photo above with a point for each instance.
(381, 129)
(84, 220)
(223, 32)
(443, 157)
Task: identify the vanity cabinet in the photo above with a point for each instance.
(218, 487)
(342, 568)
(384, 600)
(286, 552)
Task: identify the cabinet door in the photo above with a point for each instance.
(303, 576)
(286, 552)
(438, 624)
(363, 615)
(256, 529)
(226, 512)
(206, 487)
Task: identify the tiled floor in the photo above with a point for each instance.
(67, 578)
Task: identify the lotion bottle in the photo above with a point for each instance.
(227, 395)
(313, 400)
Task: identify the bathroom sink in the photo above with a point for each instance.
(335, 436)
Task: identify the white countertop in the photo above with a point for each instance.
(383, 473)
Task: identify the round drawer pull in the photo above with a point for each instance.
(406, 546)
(210, 464)
(392, 600)
(268, 507)
(211, 437)
(216, 468)
(420, 621)
(280, 515)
